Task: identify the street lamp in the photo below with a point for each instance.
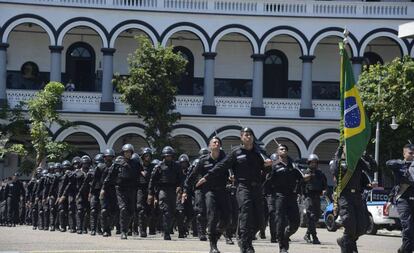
(393, 124)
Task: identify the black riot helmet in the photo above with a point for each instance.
(76, 160)
(146, 151)
(184, 158)
(128, 147)
(109, 152)
(99, 158)
(58, 166)
(86, 159)
(66, 165)
(167, 151)
(203, 151)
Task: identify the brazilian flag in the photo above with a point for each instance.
(355, 129)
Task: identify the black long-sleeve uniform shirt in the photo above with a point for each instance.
(247, 165)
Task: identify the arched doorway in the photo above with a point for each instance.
(83, 143)
(275, 74)
(80, 66)
(136, 140)
(185, 84)
(186, 144)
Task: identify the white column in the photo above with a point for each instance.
(107, 99)
(306, 109)
(209, 106)
(55, 63)
(257, 108)
(3, 73)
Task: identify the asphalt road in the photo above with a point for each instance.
(24, 239)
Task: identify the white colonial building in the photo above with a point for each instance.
(270, 64)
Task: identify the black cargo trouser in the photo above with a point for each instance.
(271, 207)
(126, 197)
(251, 219)
(234, 212)
(218, 214)
(200, 211)
(143, 210)
(405, 209)
(287, 217)
(53, 211)
(355, 219)
(95, 210)
(167, 202)
(63, 213)
(313, 212)
(109, 209)
(12, 205)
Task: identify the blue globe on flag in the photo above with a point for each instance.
(352, 117)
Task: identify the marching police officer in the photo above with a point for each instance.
(125, 173)
(62, 198)
(82, 186)
(107, 197)
(53, 194)
(215, 193)
(403, 195)
(352, 208)
(13, 191)
(94, 178)
(166, 176)
(248, 165)
(184, 208)
(69, 193)
(315, 184)
(285, 178)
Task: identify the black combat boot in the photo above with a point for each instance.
(315, 239)
(213, 245)
(307, 238)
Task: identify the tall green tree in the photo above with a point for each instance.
(42, 115)
(388, 90)
(151, 87)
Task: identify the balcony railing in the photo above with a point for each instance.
(189, 105)
(249, 7)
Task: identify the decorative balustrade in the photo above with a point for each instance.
(188, 105)
(250, 7)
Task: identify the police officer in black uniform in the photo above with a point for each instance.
(215, 192)
(13, 191)
(271, 203)
(34, 200)
(69, 194)
(94, 178)
(184, 208)
(83, 187)
(403, 195)
(53, 194)
(107, 197)
(62, 199)
(248, 165)
(352, 208)
(125, 173)
(167, 177)
(284, 179)
(315, 184)
(143, 211)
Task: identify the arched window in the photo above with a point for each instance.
(275, 74)
(371, 58)
(80, 66)
(185, 85)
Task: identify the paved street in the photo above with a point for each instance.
(24, 239)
